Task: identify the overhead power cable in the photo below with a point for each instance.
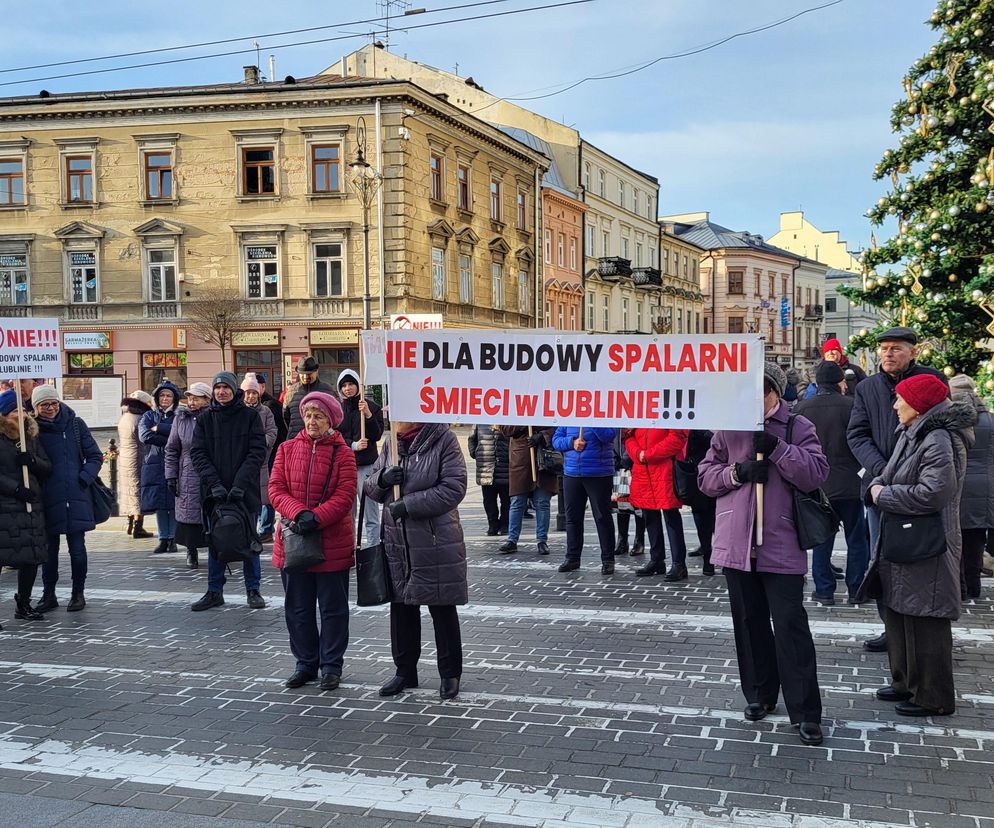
(163, 49)
(275, 47)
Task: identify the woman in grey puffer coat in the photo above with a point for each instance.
(425, 548)
(976, 511)
(182, 478)
(921, 598)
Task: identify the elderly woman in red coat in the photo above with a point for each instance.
(313, 486)
(652, 451)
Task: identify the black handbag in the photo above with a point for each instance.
(906, 539)
(814, 518)
(101, 496)
(302, 551)
(372, 572)
(549, 460)
(872, 587)
(685, 481)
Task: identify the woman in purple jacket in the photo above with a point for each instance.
(767, 581)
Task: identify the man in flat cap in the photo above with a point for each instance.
(307, 381)
(872, 428)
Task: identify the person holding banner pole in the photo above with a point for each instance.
(76, 461)
(24, 466)
(526, 481)
(766, 581)
(588, 474)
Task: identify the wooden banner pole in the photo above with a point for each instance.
(24, 439)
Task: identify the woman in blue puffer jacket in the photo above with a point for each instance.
(588, 473)
(153, 433)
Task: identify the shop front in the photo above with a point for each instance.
(335, 350)
(259, 352)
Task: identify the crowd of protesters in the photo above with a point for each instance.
(221, 461)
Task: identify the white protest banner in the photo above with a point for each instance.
(29, 348)
(416, 321)
(702, 382)
(374, 357)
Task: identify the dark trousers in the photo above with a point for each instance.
(306, 593)
(624, 520)
(25, 580)
(674, 531)
(781, 657)
(704, 521)
(405, 639)
(857, 550)
(972, 561)
(495, 504)
(77, 562)
(921, 658)
(576, 492)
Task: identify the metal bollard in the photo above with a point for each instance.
(561, 508)
(110, 458)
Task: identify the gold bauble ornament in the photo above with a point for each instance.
(936, 237)
(922, 316)
(946, 331)
(869, 284)
(981, 207)
(907, 281)
(949, 371)
(926, 353)
(953, 277)
(881, 282)
(989, 385)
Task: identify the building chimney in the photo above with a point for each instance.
(251, 74)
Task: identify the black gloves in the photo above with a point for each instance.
(26, 458)
(764, 443)
(391, 476)
(235, 495)
(307, 522)
(25, 495)
(627, 463)
(219, 493)
(753, 471)
(173, 485)
(537, 440)
(398, 509)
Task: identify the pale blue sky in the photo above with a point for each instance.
(790, 118)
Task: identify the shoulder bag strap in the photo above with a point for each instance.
(327, 480)
(79, 442)
(790, 427)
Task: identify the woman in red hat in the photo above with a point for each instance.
(920, 489)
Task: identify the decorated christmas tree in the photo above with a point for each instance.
(942, 201)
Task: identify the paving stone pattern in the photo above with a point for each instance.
(587, 701)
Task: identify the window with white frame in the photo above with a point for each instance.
(497, 285)
(572, 253)
(624, 314)
(652, 256)
(685, 270)
(158, 170)
(79, 179)
(495, 196)
(465, 279)
(635, 199)
(329, 268)
(590, 311)
(586, 176)
(621, 193)
(606, 241)
(84, 276)
(11, 182)
(590, 240)
(436, 172)
(601, 183)
(262, 271)
(14, 278)
(160, 273)
(561, 316)
(666, 260)
(522, 204)
(606, 313)
(326, 172)
(523, 304)
(548, 315)
(548, 246)
(439, 284)
(463, 194)
(624, 248)
(572, 317)
(638, 254)
(561, 249)
(638, 316)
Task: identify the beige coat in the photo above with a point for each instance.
(130, 455)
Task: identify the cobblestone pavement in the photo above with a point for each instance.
(587, 701)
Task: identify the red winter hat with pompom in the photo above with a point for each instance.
(831, 344)
(922, 391)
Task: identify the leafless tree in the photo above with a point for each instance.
(216, 313)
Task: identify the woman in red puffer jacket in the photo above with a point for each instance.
(313, 487)
(652, 451)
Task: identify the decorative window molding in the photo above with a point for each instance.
(260, 254)
(328, 260)
(15, 270)
(14, 179)
(318, 141)
(80, 182)
(158, 184)
(258, 158)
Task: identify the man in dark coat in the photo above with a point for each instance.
(273, 405)
(356, 410)
(872, 431)
(307, 381)
(229, 448)
(76, 460)
(830, 410)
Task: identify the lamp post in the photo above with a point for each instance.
(365, 180)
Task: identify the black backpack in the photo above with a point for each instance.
(231, 533)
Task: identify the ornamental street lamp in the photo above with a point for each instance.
(365, 180)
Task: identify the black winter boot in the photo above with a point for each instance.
(23, 610)
(162, 548)
(131, 524)
(48, 601)
(76, 602)
(191, 559)
(138, 532)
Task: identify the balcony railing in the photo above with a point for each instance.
(162, 310)
(647, 277)
(263, 309)
(814, 312)
(82, 313)
(325, 308)
(612, 268)
(15, 310)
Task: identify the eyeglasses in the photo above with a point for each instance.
(48, 404)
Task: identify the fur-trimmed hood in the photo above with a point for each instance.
(954, 417)
(9, 429)
(129, 405)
